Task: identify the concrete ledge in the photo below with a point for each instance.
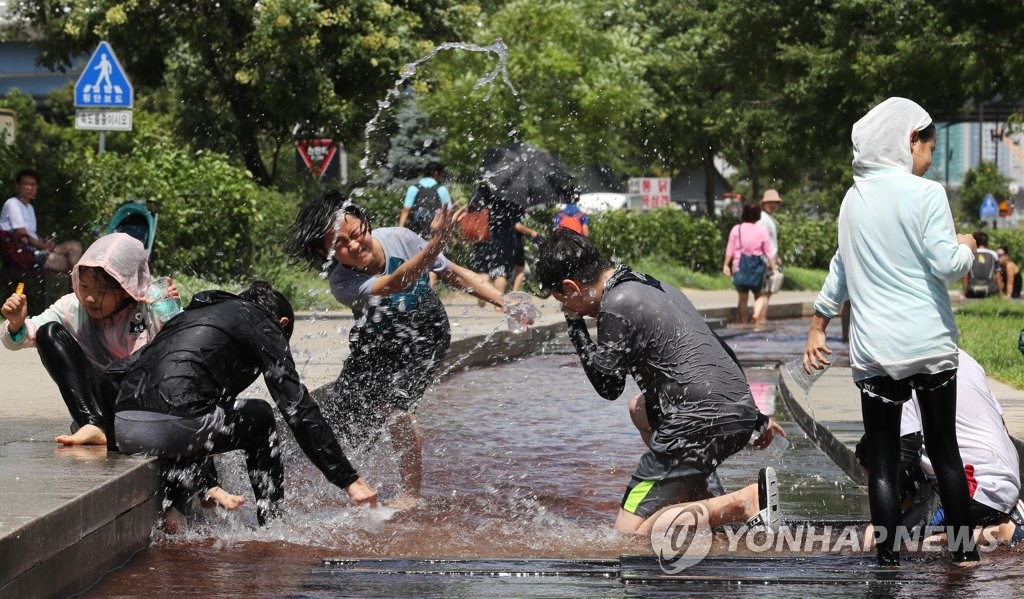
(837, 426)
(837, 449)
(67, 521)
(776, 311)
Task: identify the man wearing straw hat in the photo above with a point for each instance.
(770, 202)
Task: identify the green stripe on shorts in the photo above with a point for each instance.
(637, 495)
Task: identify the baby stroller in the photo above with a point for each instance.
(137, 219)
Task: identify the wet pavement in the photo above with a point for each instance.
(60, 504)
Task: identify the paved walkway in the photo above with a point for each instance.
(69, 514)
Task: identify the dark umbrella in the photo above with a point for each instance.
(524, 175)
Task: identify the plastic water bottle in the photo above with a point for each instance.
(164, 306)
(520, 311)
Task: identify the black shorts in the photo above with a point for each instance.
(646, 497)
(519, 253)
(494, 258)
(892, 391)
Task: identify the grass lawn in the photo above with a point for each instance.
(989, 330)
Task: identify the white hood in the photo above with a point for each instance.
(881, 138)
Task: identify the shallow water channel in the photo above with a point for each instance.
(524, 468)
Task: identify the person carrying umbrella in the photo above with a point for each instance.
(513, 178)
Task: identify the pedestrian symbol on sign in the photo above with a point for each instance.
(103, 83)
(104, 68)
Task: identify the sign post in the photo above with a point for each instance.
(103, 95)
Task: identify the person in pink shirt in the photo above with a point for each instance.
(747, 238)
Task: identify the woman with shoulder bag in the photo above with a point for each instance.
(749, 254)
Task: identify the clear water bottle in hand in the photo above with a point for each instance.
(164, 305)
(520, 311)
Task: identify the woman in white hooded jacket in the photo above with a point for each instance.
(898, 251)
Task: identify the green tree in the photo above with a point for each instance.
(412, 147)
(242, 77)
(577, 68)
(978, 183)
(775, 87)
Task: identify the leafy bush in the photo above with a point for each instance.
(666, 233)
(698, 243)
(208, 206)
(807, 242)
(979, 182)
(1013, 239)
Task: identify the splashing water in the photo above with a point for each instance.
(498, 48)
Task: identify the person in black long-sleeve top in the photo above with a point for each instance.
(695, 409)
(178, 400)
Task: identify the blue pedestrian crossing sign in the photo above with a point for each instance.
(103, 83)
(988, 207)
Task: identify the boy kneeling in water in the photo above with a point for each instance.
(696, 405)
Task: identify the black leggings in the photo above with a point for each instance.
(249, 426)
(88, 394)
(936, 395)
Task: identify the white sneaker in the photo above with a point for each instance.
(770, 515)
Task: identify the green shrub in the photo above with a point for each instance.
(666, 233)
(208, 206)
(1013, 239)
(807, 242)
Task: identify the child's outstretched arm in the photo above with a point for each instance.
(441, 233)
(464, 279)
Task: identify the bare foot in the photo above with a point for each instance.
(217, 496)
(89, 434)
(405, 502)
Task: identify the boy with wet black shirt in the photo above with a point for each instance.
(695, 399)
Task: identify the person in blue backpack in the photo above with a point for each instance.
(423, 199)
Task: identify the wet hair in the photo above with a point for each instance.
(566, 254)
(305, 242)
(927, 134)
(25, 172)
(264, 295)
(751, 213)
(981, 238)
(433, 167)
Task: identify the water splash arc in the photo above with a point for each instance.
(498, 49)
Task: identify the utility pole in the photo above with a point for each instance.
(997, 136)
